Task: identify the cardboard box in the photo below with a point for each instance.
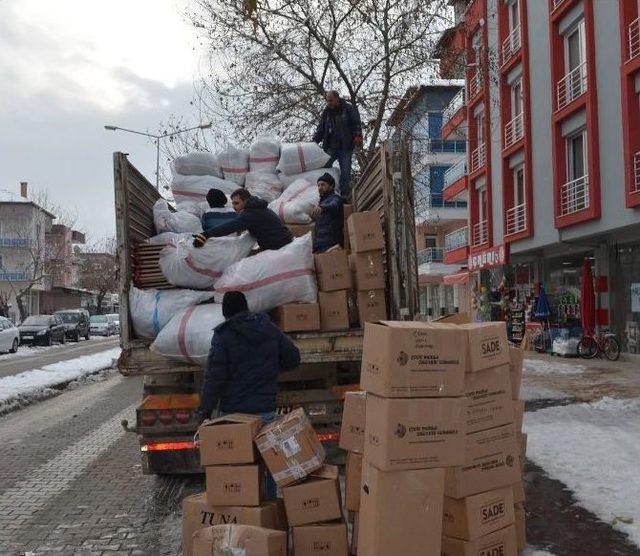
(327, 471)
(297, 317)
(197, 513)
(491, 461)
(254, 541)
(412, 525)
(312, 501)
(521, 526)
(454, 318)
(365, 231)
(234, 485)
(518, 492)
(334, 311)
(498, 543)
(352, 481)
(518, 414)
(320, 539)
(478, 515)
(488, 345)
(301, 229)
(368, 269)
(489, 402)
(413, 359)
(516, 360)
(332, 270)
(414, 433)
(290, 448)
(372, 306)
(353, 421)
(228, 439)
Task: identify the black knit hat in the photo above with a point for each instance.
(233, 303)
(327, 178)
(216, 198)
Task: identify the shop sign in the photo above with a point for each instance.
(494, 256)
(635, 297)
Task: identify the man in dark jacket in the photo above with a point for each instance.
(339, 131)
(247, 353)
(255, 216)
(218, 213)
(328, 215)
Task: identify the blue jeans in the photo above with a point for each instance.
(344, 161)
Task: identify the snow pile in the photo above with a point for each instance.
(554, 367)
(593, 448)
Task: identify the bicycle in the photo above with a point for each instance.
(604, 343)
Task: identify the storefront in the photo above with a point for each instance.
(625, 295)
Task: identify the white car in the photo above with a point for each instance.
(9, 336)
(116, 318)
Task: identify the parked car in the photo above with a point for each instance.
(9, 336)
(102, 325)
(116, 319)
(42, 329)
(76, 323)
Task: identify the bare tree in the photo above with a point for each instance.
(4, 304)
(271, 60)
(97, 269)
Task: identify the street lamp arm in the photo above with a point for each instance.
(201, 126)
(116, 128)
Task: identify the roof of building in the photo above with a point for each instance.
(413, 93)
(10, 198)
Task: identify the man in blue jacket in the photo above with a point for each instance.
(328, 215)
(339, 131)
(218, 213)
(255, 216)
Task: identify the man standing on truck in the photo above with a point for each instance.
(218, 213)
(255, 216)
(328, 215)
(339, 131)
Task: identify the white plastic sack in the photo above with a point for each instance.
(301, 157)
(186, 266)
(273, 278)
(235, 164)
(193, 207)
(198, 164)
(264, 154)
(165, 220)
(152, 309)
(168, 237)
(195, 188)
(187, 336)
(296, 202)
(312, 176)
(265, 186)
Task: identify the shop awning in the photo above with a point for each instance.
(458, 278)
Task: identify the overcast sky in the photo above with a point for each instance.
(67, 68)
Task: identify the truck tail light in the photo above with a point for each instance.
(328, 436)
(148, 418)
(168, 446)
(183, 416)
(166, 417)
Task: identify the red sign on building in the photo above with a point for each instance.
(493, 256)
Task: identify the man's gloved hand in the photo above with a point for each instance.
(199, 240)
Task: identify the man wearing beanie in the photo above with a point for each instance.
(218, 213)
(328, 215)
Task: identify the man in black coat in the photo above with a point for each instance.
(328, 216)
(255, 216)
(339, 131)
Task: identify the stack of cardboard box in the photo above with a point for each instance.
(297, 317)
(334, 282)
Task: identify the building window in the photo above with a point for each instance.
(516, 98)
(482, 204)
(576, 155)
(513, 10)
(430, 241)
(574, 47)
(518, 186)
(574, 193)
(479, 120)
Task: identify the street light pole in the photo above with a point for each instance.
(157, 138)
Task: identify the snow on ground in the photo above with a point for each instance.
(25, 388)
(594, 449)
(29, 351)
(529, 551)
(529, 392)
(552, 367)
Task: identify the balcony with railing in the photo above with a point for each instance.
(516, 219)
(456, 240)
(574, 196)
(478, 158)
(633, 37)
(557, 4)
(514, 130)
(636, 174)
(430, 255)
(480, 233)
(511, 44)
(442, 146)
(475, 85)
(572, 85)
(455, 104)
(14, 276)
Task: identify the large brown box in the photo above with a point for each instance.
(372, 306)
(312, 501)
(368, 269)
(413, 359)
(521, 526)
(298, 230)
(414, 433)
(489, 402)
(297, 317)
(290, 448)
(234, 485)
(353, 421)
(334, 310)
(352, 481)
(254, 541)
(228, 439)
(320, 539)
(516, 360)
(478, 515)
(499, 543)
(400, 512)
(332, 270)
(197, 513)
(491, 461)
(488, 345)
(518, 414)
(365, 231)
